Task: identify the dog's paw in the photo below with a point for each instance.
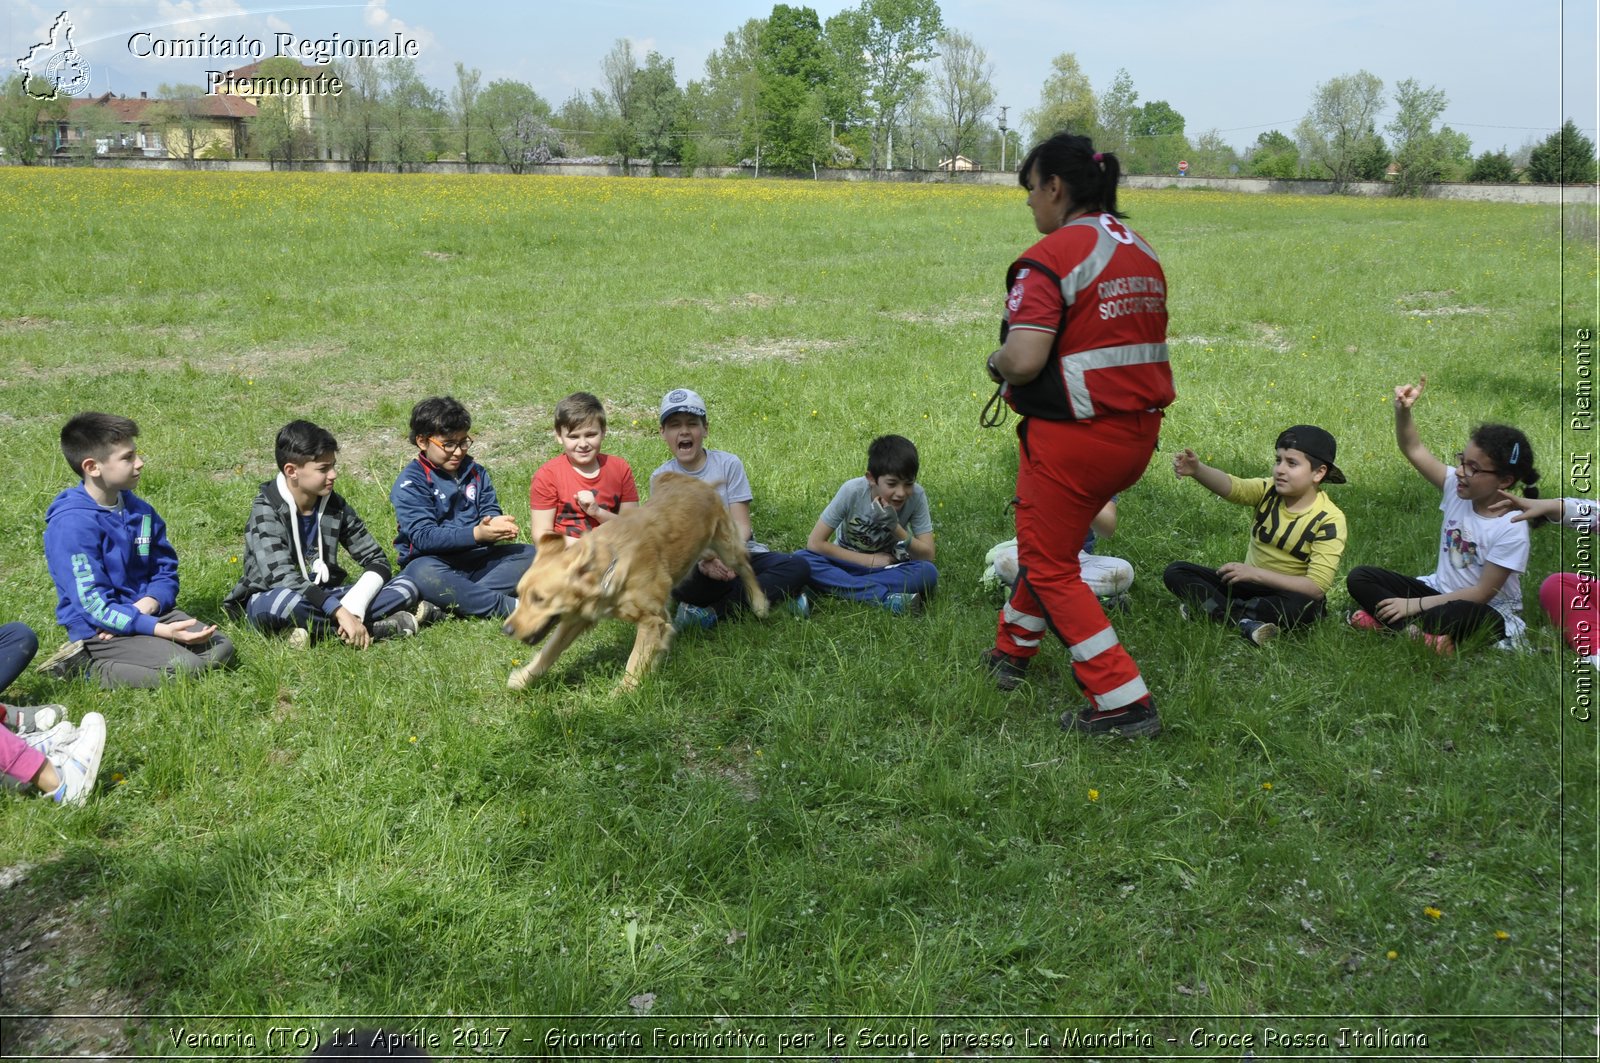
(517, 680)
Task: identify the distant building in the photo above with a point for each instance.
(158, 129)
(311, 110)
(959, 164)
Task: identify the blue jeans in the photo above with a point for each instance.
(779, 576)
(846, 579)
(285, 608)
(18, 644)
(475, 583)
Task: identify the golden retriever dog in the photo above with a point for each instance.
(626, 569)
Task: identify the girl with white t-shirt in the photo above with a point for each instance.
(1476, 590)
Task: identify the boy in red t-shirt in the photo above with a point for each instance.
(583, 488)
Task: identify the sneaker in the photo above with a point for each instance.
(903, 602)
(79, 763)
(798, 606)
(1183, 611)
(1362, 620)
(66, 662)
(397, 626)
(299, 639)
(25, 719)
(1259, 632)
(427, 613)
(49, 741)
(1443, 645)
(693, 616)
(1121, 602)
(1130, 721)
(1008, 671)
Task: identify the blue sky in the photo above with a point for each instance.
(1511, 72)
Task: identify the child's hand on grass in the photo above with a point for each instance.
(1406, 395)
(1185, 463)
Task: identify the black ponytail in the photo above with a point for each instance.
(1090, 176)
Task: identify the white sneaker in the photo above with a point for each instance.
(427, 613)
(79, 763)
(299, 639)
(54, 740)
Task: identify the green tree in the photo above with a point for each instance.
(515, 125)
(1274, 155)
(893, 37)
(963, 94)
(1115, 113)
(1370, 157)
(179, 116)
(1338, 129)
(1420, 153)
(464, 109)
(1156, 140)
(353, 119)
(656, 106)
(410, 115)
(1066, 104)
(1493, 167)
(1210, 156)
(277, 132)
(1566, 157)
(723, 111)
(618, 70)
(24, 136)
(791, 66)
(588, 123)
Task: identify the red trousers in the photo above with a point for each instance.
(1068, 471)
(1572, 601)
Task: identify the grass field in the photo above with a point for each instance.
(828, 818)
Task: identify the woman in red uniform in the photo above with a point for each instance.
(1083, 360)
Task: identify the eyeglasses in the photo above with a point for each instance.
(1471, 468)
(459, 446)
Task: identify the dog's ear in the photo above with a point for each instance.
(551, 540)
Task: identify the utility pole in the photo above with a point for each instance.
(1003, 111)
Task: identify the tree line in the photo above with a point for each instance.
(883, 85)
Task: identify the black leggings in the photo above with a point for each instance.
(1458, 619)
(1230, 603)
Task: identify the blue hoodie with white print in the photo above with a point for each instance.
(103, 560)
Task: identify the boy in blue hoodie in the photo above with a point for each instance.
(116, 575)
(453, 541)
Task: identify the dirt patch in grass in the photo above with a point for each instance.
(747, 301)
(26, 321)
(440, 256)
(749, 352)
(1270, 336)
(732, 765)
(1446, 311)
(1436, 304)
(54, 965)
(947, 316)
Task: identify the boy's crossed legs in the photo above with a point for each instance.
(148, 660)
(284, 608)
(1229, 603)
(484, 585)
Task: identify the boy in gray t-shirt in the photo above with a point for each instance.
(874, 541)
(712, 590)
